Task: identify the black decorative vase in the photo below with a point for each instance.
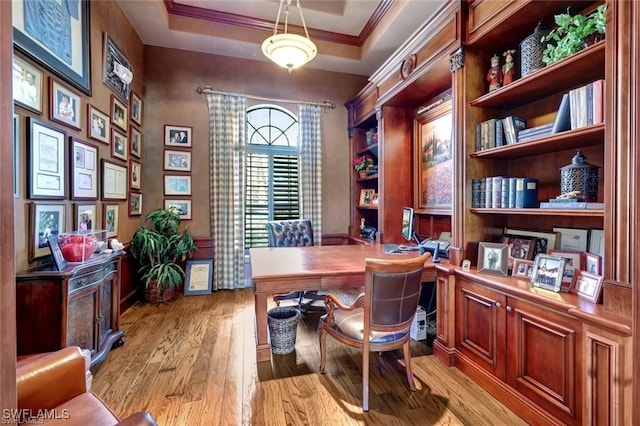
(531, 49)
(581, 177)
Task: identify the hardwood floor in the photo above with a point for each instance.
(192, 362)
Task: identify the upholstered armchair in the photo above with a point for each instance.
(380, 318)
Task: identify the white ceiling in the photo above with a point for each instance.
(338, 27)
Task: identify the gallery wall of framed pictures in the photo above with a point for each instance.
(177, 167)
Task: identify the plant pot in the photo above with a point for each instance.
(152, 295)
(363, 174)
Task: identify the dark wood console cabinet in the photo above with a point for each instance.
(79, 306)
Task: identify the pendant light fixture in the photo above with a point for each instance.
(289, 50)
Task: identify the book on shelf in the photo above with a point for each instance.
(586, 104)
(488, 195)
(562, 121)
(496, 192)
(526, 192)
(499, 192)
(512, 125)
(535, 132)
(577, 205)
(512, 192)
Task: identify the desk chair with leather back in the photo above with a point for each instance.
(294, 233)
(380, 318)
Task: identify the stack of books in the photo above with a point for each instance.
(535, 132)
(571, 203)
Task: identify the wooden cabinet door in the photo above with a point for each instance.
(480, 326)
(542, 357)
(82, 319)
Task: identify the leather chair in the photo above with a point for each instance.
(59, 385)
(380, 318)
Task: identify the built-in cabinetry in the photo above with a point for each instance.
(78, 306)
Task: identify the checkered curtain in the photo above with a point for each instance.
(227, 154)
(310, 166)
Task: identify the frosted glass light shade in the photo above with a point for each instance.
(289, 50)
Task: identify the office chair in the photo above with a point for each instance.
(380, 318)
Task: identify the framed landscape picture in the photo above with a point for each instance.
(99, 127)
(177, 185)
(27, 85)
(64, 105)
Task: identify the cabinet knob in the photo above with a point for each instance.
(509, 308)
(99, 318)
(498, 305)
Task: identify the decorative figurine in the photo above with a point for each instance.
(494, 76)
(509, 67)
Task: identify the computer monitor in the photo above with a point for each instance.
(407, 223)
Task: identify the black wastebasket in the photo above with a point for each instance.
(283, 325)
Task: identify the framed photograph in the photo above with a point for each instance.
(119, 114)
(520, 247)
(85, 217)
(366, 196)
(588, 286)
(64, 105)
(182, 207)
(16, 155)
(593, 263)
(114, 181)
(56, 253)
(596, 242)
(135, 175)
(522, 268)
(135, 142)
(46, 174)
(68, 60)
(544, 240)
(179, 136)
(114, 58)
(119, 145)
(27, 85)
(572, 261)
(177, 160)
(547, 272)
(84, 170)
(572, 238)
(135, 204)
(47, 220)
(177, 185)
(433, 159)
(136, 109)
(99, 127)
(110, 219)
(198, 277)
(492, 258)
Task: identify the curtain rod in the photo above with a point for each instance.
(208, 90)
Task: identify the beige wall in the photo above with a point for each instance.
(171, 79)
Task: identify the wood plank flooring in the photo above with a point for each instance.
(192, 362)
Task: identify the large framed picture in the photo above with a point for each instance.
(67, 57)
(114, 181)
(64, 105)
(47, 220)
(119, 114)
(110, 219)
(84, 170)
(182, 207)
(433, 151)
(99, 127)
(587, 286)
(177, 160)
(135, 203)
(178, 136)
(113, 57)
(27, 85)
(547, 272)
(85, 217)
(136, 109)
(177, 185)
(46, 176)
(198, 277)
(493, 258)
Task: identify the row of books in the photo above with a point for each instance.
(502, 192)
(586, 104)
(496, 132)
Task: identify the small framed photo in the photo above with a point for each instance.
(84, 170)
(520, 247)
(46, 148)
(177, 160)
(547, 272)
(135, 142)
(522, 268)
(119, 145)
(47, 220)
(596, 242)
(56, 253)
(85, 217)
(65, 105)
(587, 286)
(110, 219)
(493, 258)
(544, 240)
(366, 196)
(136, 108)
(177, 185)
(114, 181)
(572, 238)
(135, 175)
(198, 277)
(119, 113)
(593, 263)
(572, 261)
(135, 204)
(182, 207)
(99, 127)
(178, 136)
(27, 85)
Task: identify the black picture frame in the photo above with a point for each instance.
(113, 54)
(77, 74)
(56, 253)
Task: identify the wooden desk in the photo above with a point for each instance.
(285, 269)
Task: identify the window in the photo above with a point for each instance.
(272, 170)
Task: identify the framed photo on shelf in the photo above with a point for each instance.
(136, 109)
(177, 185)
(65, 105)
(182, 207)
(46, 147)
(70, 60)
(135, 175)
(113, 58)
(110, 219)
(135, 203)
(198, 277)
(177, 160)
(433, 158)
(114, 181)
(84, 170)
(545, 241)
(119, 145)
(572, 261)
(56, 253)
(547, 272)
(178, 136)
(366, 196)
(587, 286)
(119, 114)
(572, 238)
(47, 220)
(85, 217)
(27, 85)
(596, 242)
(522, 268)
(492, 258)
(99, 127)
(135, 142)
(593, 263)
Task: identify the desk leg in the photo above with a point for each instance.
(263, 349)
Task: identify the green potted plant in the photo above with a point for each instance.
(574, 33)
(363, 165)
(160, 247)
